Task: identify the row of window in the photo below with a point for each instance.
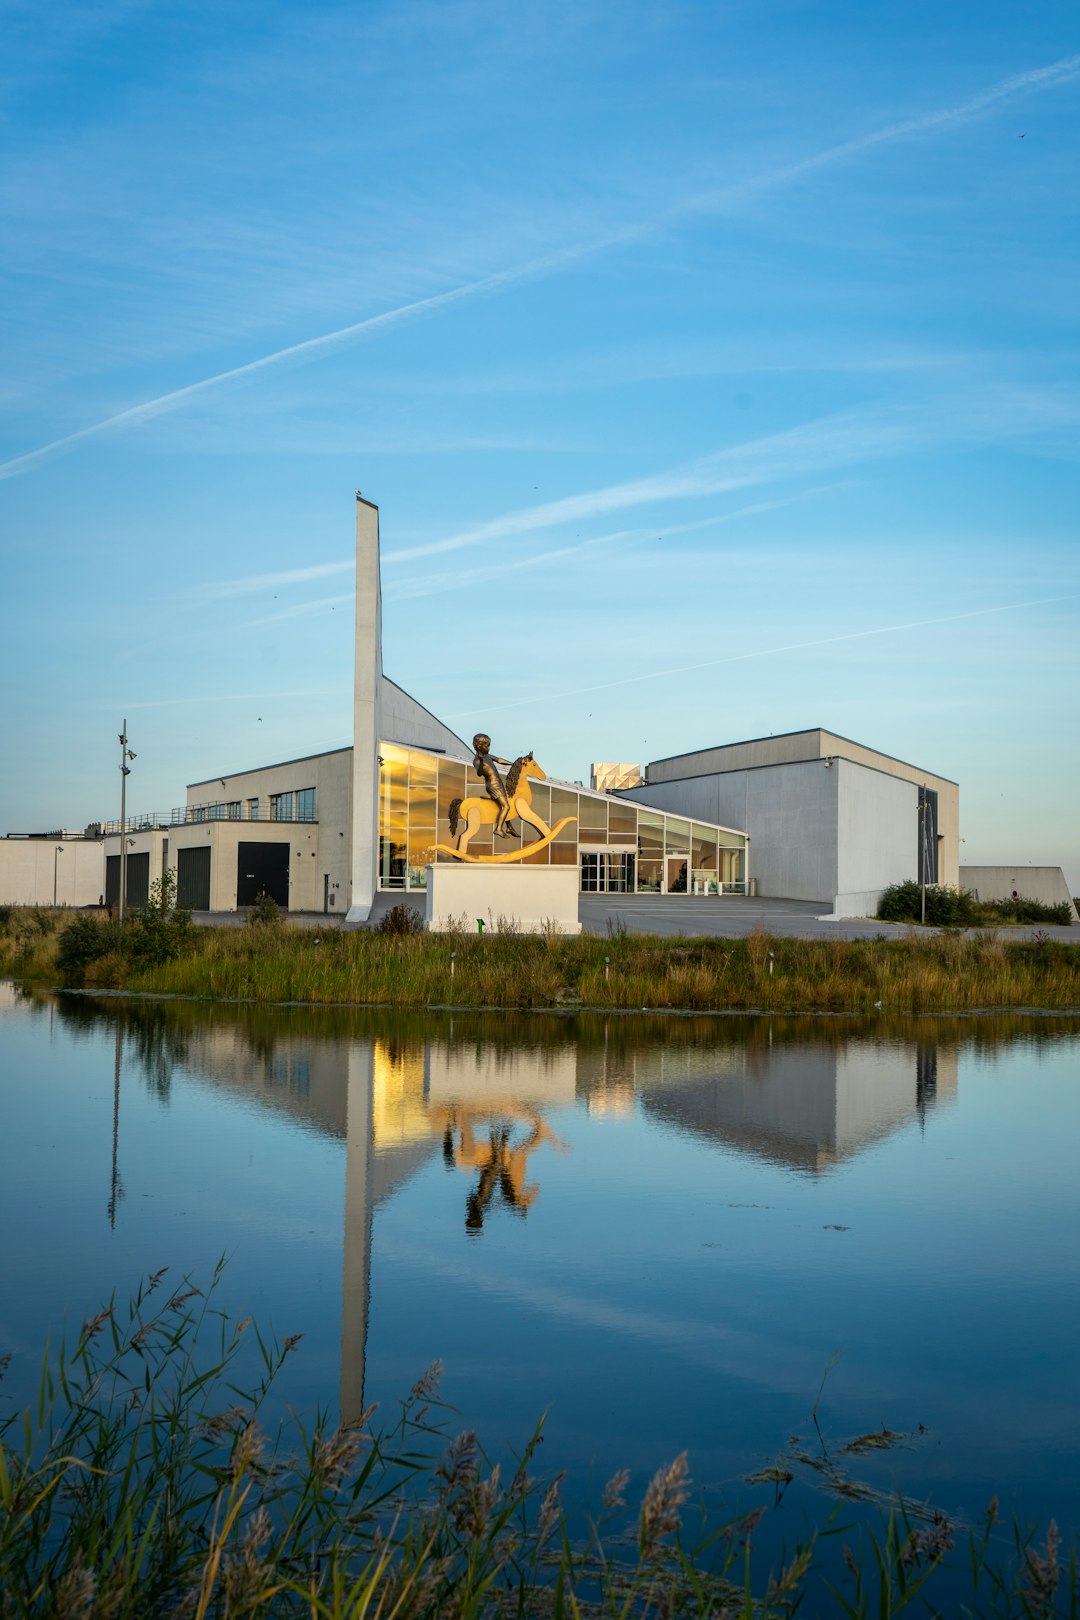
(662, 853)
(296, 805)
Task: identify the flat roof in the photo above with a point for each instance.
(803, 731)
(276, 766)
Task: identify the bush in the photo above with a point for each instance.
(264, 913)
(945, 907)
(84, 940)
(1032, 911)
(401, 919)
(161, 930)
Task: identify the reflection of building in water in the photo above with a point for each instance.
(806, 1107)
(397, 1104)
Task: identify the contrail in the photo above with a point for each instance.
(366, 328)
(1054, 73)
(769, 652)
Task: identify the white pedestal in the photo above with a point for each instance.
(510, 899)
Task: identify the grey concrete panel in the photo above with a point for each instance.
(410, 725)
(1046, 884)
(877, 836)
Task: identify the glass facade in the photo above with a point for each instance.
(619, 847)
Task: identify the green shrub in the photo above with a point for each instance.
(945, 907)
(84, 940)
(264, 913)
(1033, 911)
(161, 930)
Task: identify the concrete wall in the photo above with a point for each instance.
(330, 775)
(48, 871)
(877, 836)
(408, 723)
(790, 812)
(529, 898)
(305, 867)
(817, 743)
(147, 841)
(1044, 883)
(363, 838)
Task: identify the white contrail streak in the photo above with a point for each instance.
(1054, 73)
(366, 328)
(769, 652)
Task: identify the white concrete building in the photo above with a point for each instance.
(829, 820)
(808, 815)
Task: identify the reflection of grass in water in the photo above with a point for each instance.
(143, 1482)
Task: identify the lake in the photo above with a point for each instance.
(659, 1231)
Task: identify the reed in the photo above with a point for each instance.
(141, 1482)
(909, 973)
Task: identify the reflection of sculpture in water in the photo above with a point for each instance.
(502, 1164)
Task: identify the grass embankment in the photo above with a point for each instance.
(143, 1481)
(275, 962)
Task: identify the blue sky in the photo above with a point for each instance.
(714, 368)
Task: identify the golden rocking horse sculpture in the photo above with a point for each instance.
(471, 815)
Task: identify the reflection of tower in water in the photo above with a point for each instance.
(116, 1189)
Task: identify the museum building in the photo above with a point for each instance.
(808, 815)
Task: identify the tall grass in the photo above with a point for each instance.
(142, 1482)
(913, 973)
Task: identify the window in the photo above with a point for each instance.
(253, 809)
(215, 812)
(281, 807)
(234, 810)
(305, 804)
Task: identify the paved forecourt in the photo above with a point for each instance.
(730, 917)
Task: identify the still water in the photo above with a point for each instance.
(658, 1232)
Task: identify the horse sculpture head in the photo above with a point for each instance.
(524, 766)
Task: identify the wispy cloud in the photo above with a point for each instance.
(709, 202)
(253, 584)
(201, 698)
(300, 610)
(428, 584)
(814, 447)
(771, 652)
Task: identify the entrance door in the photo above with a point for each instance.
(262, 869)
(676, 875)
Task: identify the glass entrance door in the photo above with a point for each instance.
(607, 872)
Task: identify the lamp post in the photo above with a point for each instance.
(125, 772)
(58, 851)
(922, 854)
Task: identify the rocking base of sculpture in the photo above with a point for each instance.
(510, 855)
(510, 899)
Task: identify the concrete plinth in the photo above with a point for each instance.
(510, 899)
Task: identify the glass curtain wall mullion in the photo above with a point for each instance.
(660, 853)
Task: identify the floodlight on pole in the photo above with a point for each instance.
(125, 771)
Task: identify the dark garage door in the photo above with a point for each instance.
(262, 869)
(193, 877)
(138, 880)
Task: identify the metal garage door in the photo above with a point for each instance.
(138, 881)
(193, 877)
